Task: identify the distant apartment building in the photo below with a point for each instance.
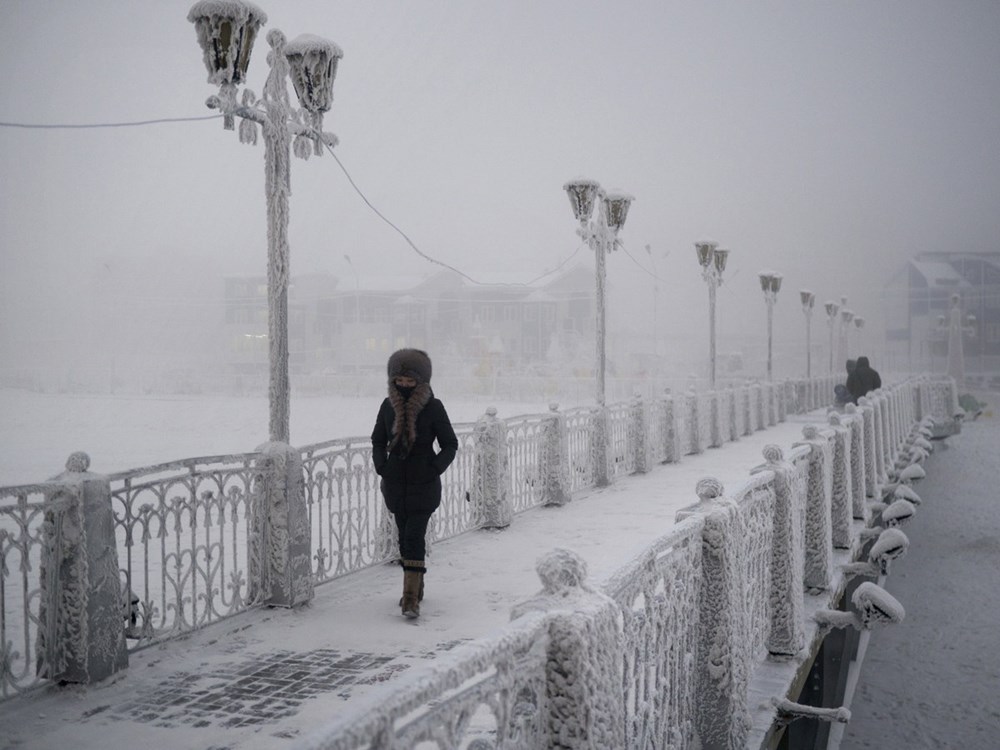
(340, 327)
(917, 301)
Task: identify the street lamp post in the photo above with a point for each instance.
(846, 316)
(832, 308)
(808, 302)
(770, 284)
(859, 324)
(713, 262)
(601, 235)
(226, 32)
(957, 329)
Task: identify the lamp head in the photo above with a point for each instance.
(616, 205)
(226, 32)
(705, 250)
(831, 309)
(859, 322)
(582, 194)
(719, 258)
(312, 63)
(846, 316)
(808, 299)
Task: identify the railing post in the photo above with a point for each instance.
(585, 656)
(803, 393)
(758, 391)
(787, 636)
(638, 443)
(82, 614)
(600, 446)
(748, 410)
(280, 543)
(734, 433)
(668, 428)
(491, 496)
(555, 459)
(818, 536)
(841, 510)
(871, 476)
(716, 414)
(722, 669)
(888, 446)
(694, 422)
(859, 508)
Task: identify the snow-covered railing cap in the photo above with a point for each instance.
(78, 462)
(898, 513)
(709, 488)
(876, 606)
(890, 545)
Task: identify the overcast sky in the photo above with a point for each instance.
(829, 141)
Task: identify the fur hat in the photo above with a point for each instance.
(410, 363)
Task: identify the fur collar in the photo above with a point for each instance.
(405, 424)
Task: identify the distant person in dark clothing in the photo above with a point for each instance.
(842, 396)
(863, 380)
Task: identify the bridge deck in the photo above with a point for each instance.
(266, 677)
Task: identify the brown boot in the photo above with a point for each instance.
(413, 578)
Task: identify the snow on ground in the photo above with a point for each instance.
(38, 431)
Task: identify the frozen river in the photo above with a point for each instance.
(38, 431)
(931, 681)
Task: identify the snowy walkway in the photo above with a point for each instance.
(931, 681)
(266, 677)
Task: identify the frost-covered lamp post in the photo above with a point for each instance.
(956, 329)
(846, 316)
(808, 303)
(601, 235)
(226, 32)
(859, 324)
(770, 284)
(713, 262)
(832, 308)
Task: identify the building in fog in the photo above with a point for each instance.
(349, 326)
(917, 300)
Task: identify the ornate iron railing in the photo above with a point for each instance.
(524, 456)
(32, 520)
(622, 439)
(658, 593)
(184, 531)
(580, 433)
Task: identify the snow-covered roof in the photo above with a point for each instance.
(939, 274)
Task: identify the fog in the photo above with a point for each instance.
(827, 141)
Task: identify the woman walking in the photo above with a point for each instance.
(409, 421)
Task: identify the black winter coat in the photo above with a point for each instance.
(411, 480)
(863, 380)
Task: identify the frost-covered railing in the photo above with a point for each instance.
(658, 594)
(184, 531)
(494, 691)
(346, 512)
(664, 653)
(201, 539)
(32, 522)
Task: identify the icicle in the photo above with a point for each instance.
(302, 146)
(248, 132)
